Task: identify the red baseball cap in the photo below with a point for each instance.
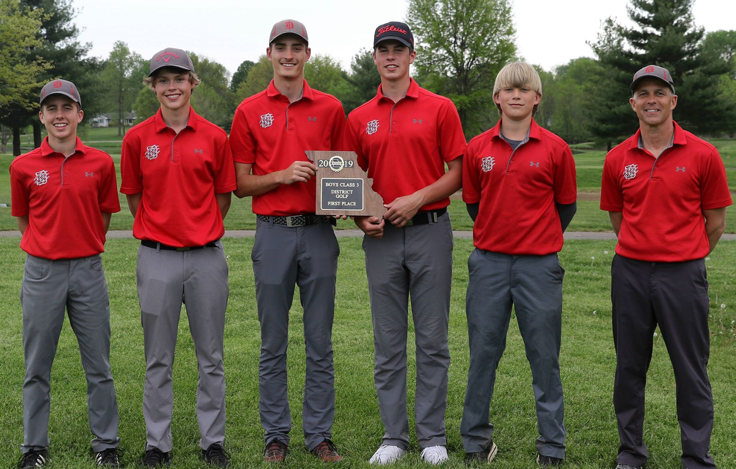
(64, 87)
(653, 71)
(288, 27)
(171, 57)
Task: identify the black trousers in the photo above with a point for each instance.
(673, 295)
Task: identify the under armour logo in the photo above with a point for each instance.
(312, 119)
(198, 151)
(680, 169)
(89, 175)
(417, 121)
(531, 163)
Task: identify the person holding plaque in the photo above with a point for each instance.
(520, 190)
(404, 137)
(293, 246)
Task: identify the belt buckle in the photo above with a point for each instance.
(289, 222)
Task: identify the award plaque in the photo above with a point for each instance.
(343, 187)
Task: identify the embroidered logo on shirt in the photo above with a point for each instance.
(152, 152)
(200, 151)
(372, 127)
(417, 121)
(89, 175)
(42, 177)
(680, 169)
(312, 119)
(266, 120)
(630, 172)
(487, 163)
(531, 163)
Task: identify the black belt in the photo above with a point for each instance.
(296, 220)
(425, 218)
(156, 245)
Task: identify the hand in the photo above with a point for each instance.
(372, 226)
(299, 171)
(403, 209)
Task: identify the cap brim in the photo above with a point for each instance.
(170, 66)
(636, 82)
(73, 98)
(393, 38)
(306, 41)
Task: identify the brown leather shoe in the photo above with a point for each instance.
(275, 452)
(327, 452)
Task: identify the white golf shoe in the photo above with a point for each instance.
(387, 454)
(434, 455)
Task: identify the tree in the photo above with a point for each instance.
(241, 74)
(664, 34)
(363, 80)
(574, 92)
(67, 59)
(324, 73)
(212, 99)
(19, 74)
(123, 75)
(258, 79)
(461, 45)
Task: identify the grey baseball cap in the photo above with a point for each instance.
(288, 27)
(64, 87)
(653, 71)
(171, 57)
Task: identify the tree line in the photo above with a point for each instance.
(461, 45)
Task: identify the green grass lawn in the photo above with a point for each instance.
(587, 365)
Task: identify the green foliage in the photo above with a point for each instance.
(363, 80)
(461, 45)
(664, 34)
(20, 73)
(123, 75)
(324, 73)
(575, 90)
(241, 74)
(145, 105)
(258, 79)
(212, 98)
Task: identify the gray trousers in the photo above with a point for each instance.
(198, 278)
(48, 288)
(282, 258)
(533, 285)
(413, 261)
(673, 295)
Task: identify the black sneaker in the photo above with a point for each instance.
(216, 456)
(548, 461)
(34, 459)
(154, 457)
(485, 456)
(109, 457)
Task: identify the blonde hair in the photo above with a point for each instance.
(149, 81)
(518, 75)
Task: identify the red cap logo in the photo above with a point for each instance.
(289, 25)
(58, 84)
(649, 69)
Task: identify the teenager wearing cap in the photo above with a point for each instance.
(404, 137)
(666, 194)
(271, 131)
(519, 184)
(178, 175)
(63, 195)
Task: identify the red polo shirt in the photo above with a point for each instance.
(663, 199)
(63, 198)
(517, 191)
(271, 133)
(405, 145)
(178, 176)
